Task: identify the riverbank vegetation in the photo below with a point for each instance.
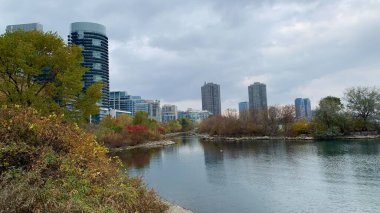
(358, 113)
(127, 131)
(48, 163)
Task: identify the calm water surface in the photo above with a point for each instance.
(264, 176)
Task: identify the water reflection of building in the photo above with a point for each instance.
(214, 162)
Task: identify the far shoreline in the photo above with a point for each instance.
(242, 138)
(298, 138)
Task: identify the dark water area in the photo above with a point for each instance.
(263, 176)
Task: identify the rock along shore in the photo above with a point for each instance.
(148, 145)
(176, 209)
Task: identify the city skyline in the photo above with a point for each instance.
(311, 49)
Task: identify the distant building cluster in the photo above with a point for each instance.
(196, 116)
(130, 104)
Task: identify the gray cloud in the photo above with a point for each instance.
(167, 49)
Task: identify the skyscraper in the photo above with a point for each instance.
(303, 108)
(300, 108)
(24, 27)
(211, 98)
(257, 94)
(243, 109)
(307, 104)
(92, 38)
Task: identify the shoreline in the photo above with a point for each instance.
(167, 142)
(173, 208)
(298, 138)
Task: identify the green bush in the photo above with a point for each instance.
(49, 165)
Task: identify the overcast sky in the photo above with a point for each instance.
(166, 49)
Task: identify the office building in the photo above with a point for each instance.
(169, 113)
(196, 116)
(24, 27)
(257, 94)
(92, 38)
(303, 108)
(131, 101)
(141, 106)
(118, 100)
(154, 109)
(115, 113)
(211, 98)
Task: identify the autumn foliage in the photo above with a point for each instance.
(49, 165)
(276, 121)
(128, 131)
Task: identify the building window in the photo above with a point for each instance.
(97, 66)
(96, 54)
(97, 78)
(80, 35)
(96, 42)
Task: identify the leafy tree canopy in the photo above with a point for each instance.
(39, 70)
(363, 102)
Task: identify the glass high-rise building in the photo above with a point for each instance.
(92, 38)
(303, 108)
(211, 98)
(308, 112)
(257, 94)
(300, 108)
(118, 100)
(24, 27)
(243, 107)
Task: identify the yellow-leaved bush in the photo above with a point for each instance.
(50, 165)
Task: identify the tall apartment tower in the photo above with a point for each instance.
(303, 108)
(308, 113)
(24, 27)
(300, 108)
(211, 98)
(92, 38)
(257, 94)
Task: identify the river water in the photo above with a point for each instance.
(262, 176)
